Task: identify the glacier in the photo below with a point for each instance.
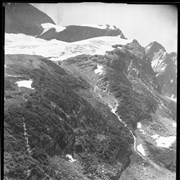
(57, 50)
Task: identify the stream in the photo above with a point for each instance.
(114, 111)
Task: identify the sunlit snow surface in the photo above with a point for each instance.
(48, 26)
(141, 149)
(59, 50)
(165, 142)
(103, 26)
(71, 159)
(99, 70)
(172, 98)
(174, 124)
(25, 83)
(157, 62)
(139, 125)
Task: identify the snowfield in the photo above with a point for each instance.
(25, 83)
(48, 26)
(174, 124)
(71, 159)
(157, 62)
(59, 50)
(164, 142)
(141, 149)
(103, 26)
(139, 125)
(99, 69)
(172, 98)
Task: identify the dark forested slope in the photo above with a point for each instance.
(44, 124)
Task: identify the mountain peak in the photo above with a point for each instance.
(135, 48)
(154, 47)
(173, 54)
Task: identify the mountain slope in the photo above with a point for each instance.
(53, 120)
(24, 18)
(79, 118)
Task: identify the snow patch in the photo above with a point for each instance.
(165, 142)
(147, 48)
(172, 98)
(174, 124)
(25, 83)
(13, 75)
(157, 62)
(141, 149)
(103, 26)
(71, 159)
(48, 26)
(155, 136)
(139, 125)
(163, 68)
(99, 70)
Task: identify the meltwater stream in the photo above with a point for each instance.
(114, 111)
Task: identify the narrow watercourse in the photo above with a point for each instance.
(114, 111)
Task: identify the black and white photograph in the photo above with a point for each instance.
(90, 91)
